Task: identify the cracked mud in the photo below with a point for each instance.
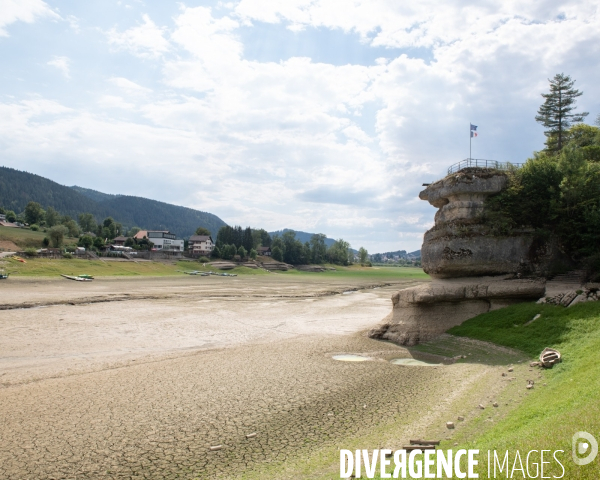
(144, 388)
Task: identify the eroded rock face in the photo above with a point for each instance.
(474, 269)
(459, 244)
(424, 312)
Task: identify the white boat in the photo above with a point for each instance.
(77, 279)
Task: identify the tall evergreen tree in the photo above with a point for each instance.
(248, 242)
(557, 111)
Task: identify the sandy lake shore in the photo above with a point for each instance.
(138, 378)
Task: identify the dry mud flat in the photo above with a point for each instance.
(119, 392)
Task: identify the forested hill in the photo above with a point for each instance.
(18, 188)
(94, 194)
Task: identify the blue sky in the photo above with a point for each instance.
(317, 115)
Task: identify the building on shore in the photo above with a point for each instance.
(162, 239)
(201, 245)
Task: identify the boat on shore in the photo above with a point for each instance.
(77, 279)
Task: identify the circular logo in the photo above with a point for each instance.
(585, 448)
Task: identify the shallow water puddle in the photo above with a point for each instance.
(413, 362)
(351, 358)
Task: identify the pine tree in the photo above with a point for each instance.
(556, 113)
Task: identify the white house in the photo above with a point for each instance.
(201, 245)
(162, 240)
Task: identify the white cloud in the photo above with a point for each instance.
(128, 86)
(114, 101)
(312, 145)
(62, 64)
(28, 11)
(145, 40)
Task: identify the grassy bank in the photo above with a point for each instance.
(564, 401)
(568, 402)
(24, 238)
(45, 267)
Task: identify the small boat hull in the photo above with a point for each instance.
(550, 357)
(77, 279)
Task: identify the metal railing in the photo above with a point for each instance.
(481, 163)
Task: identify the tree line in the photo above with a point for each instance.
(232, 241)
(59, 227)
(557, 191)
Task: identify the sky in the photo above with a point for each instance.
(316, 115)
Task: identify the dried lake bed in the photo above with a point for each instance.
(140, 377)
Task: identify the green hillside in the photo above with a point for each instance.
(94, 194)
(18, 188)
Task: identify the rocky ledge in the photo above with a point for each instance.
(424, 312)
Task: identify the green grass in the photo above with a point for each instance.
(556, 325)
(44, 267)
(549, 415)
(569, 403)
(24, 238)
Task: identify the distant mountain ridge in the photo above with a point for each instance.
(302, 236)
(18, 188)
(305, 237)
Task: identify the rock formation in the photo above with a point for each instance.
(460, 244)
(473, 269)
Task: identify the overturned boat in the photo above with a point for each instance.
(549, 357)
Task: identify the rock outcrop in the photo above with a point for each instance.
(424, 312)
(474, 269)
(460, 244)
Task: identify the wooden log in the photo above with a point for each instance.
(424, 442)
(410, 448)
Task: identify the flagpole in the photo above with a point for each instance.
(470, 139)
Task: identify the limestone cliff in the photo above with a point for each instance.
(474, 270)
(460, 244)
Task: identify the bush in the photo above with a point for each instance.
(67, 255)
(46, 242)
(57, 235)
(203, 260)
(253, 254)
(34, 227)
(31, 252)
